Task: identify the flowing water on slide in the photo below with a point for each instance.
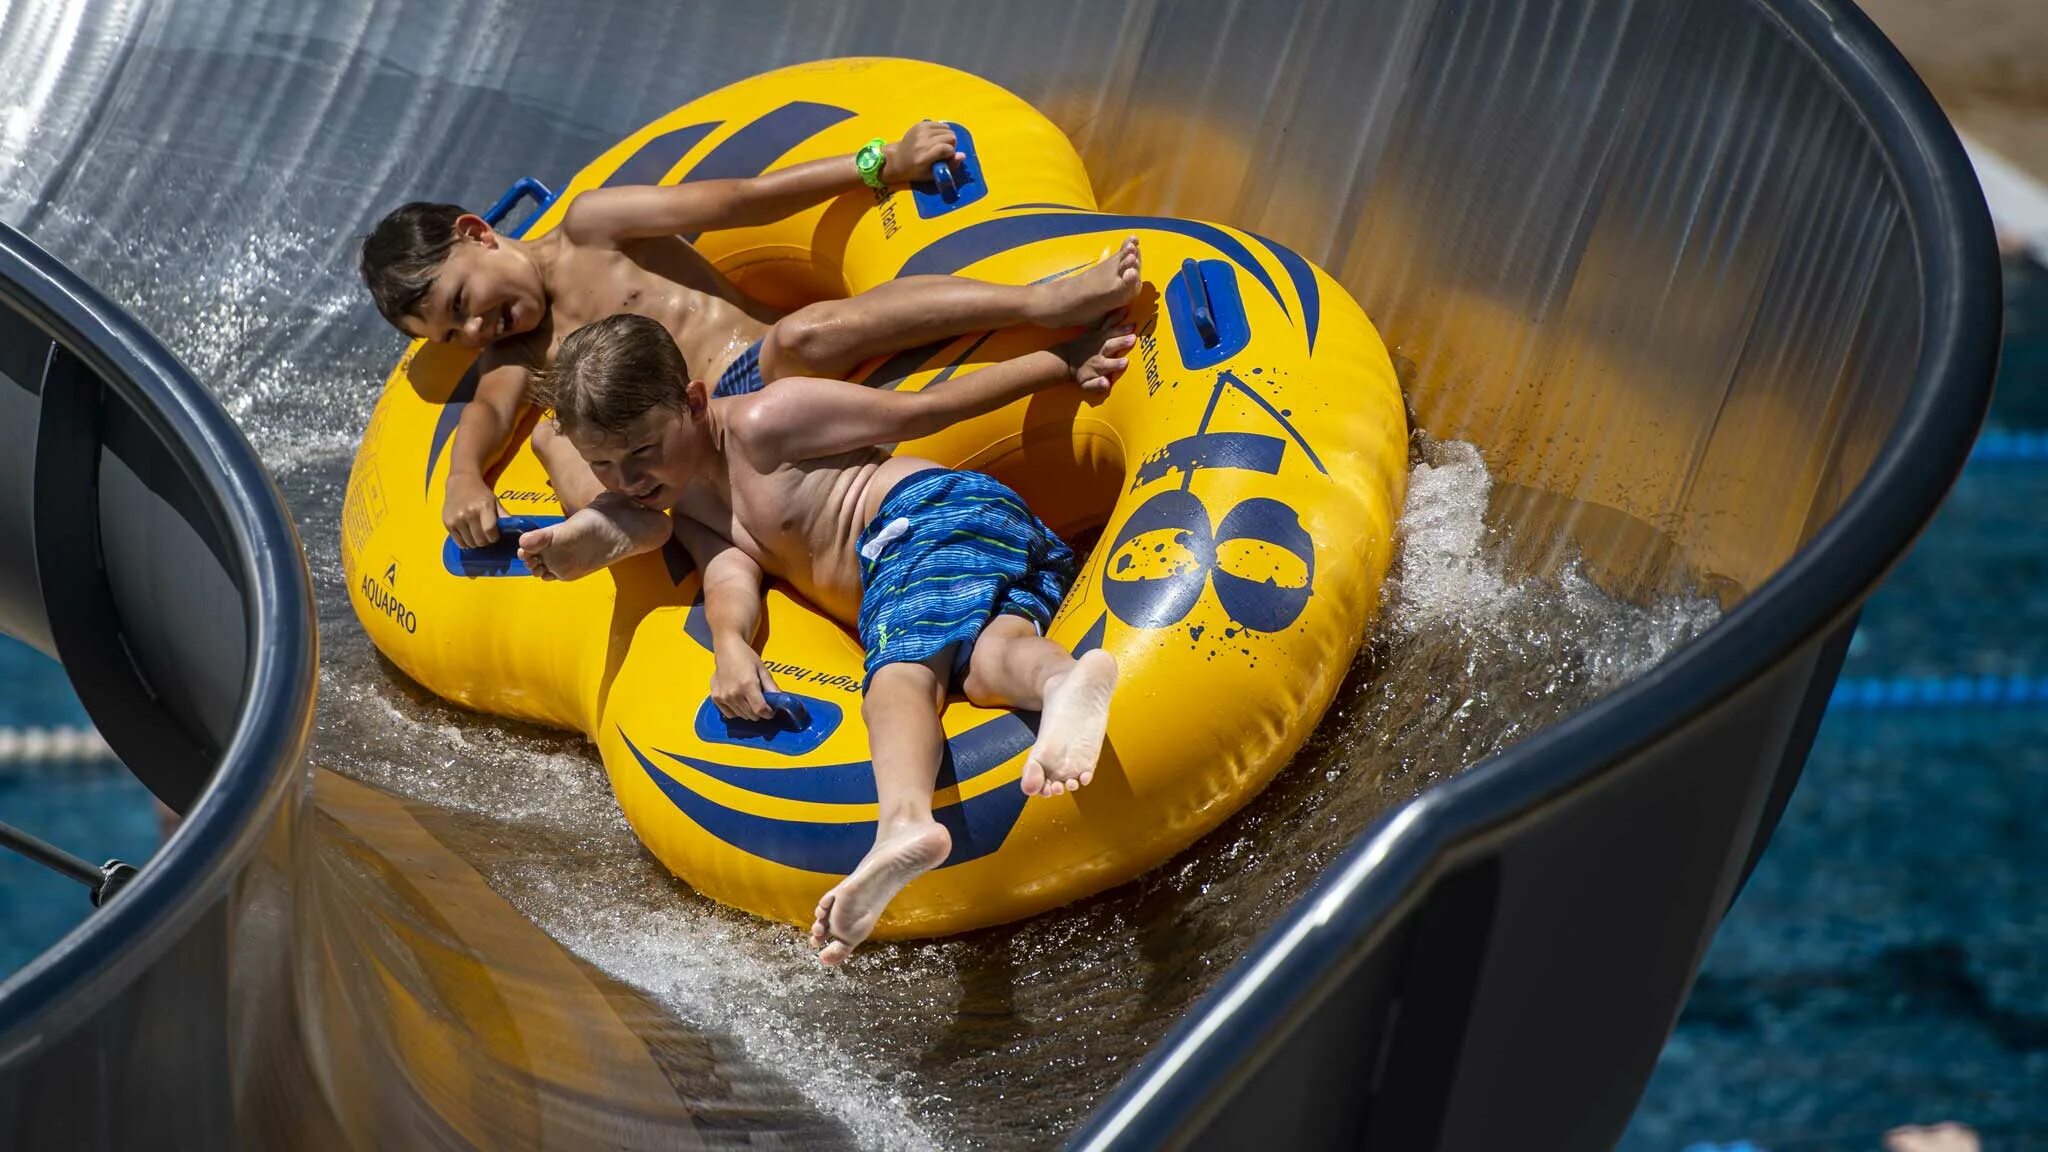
(1002, 1036)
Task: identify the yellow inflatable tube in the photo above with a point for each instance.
(1239, 485)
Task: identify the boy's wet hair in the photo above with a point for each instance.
(610, 373)
(404, 253)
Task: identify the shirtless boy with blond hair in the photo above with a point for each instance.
(948, 578)
(440, 273)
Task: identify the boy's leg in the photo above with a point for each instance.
(901, 707)
(1014, 667)
(602, 527)
(833, 337)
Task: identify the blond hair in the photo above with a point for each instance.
(610, 373)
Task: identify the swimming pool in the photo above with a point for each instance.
(1888, 962)
(91, 807)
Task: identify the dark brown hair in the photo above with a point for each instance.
(404, 253)
(610, 373)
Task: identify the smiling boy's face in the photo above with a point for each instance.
(486, 290)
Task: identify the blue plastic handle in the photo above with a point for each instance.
(795, 726)
(501, 556)
(1207, 310)
(954, 182)
(523, 187)
(790, 707)
(1198, 300)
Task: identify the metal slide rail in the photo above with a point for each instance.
(94, 356)
(1385, 1008)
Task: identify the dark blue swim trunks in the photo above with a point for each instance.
(743, 375)
(948, 552)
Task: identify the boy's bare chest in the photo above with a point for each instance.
(665, 281)
(777, 511)
(598, 285)
(762, 519)
(801, 522)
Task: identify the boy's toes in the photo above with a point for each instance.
(835, 953)
(1099, 371)
(820, 926)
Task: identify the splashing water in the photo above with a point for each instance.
(1012, 1034)
(997, 1038)
(242, 263)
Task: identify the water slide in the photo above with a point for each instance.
(1696, 303)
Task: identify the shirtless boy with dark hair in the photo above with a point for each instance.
(440, 273)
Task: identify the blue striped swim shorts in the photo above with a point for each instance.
(743, 375)
(948, 552)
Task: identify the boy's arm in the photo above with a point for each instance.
(732, 606)
(803, 418)
(610, 215)
(469, 510)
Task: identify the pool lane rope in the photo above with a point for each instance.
(1897, 693)
(35, 745)
(1999, 447)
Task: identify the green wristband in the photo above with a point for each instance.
(868, 162)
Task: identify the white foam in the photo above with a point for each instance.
(1445, 569)
(1467, 660)
(257, 331)
(612, 906)
(745, 979)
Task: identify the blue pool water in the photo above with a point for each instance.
(33, 690)
(1888, 962)
(92, 808)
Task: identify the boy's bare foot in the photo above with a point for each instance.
(1099, 357)
(1071, 727)
(1091, 295)
(848, 912)
(587, 541)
